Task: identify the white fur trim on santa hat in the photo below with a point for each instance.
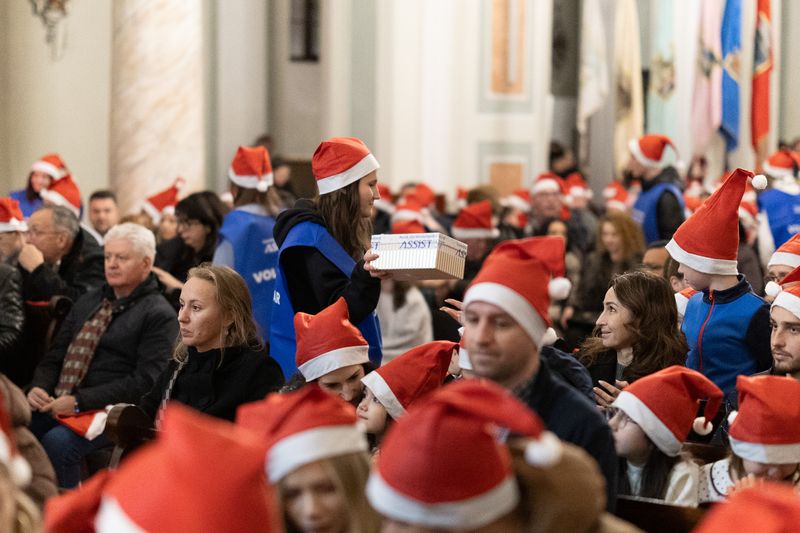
(406, 214)
(55, 198)
(151, 210)
(636, 152)
(550, 337)
(110, 518)
(375, 382)
(706, 265)
(334, 360)
(788, 301)
(776, 454)
(658, 432)
(777, 172)
(49, 169)
(354, 173)
(616, 204)
(261, 183)
(471, 513)
(545, 185)
(516, 202)
(312, 445)
(384, 205)
(784, 258)
(474, 233)
(512, 303)
(13, 225)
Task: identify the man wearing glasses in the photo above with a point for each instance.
(59, 258)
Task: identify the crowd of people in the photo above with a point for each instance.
(596, 351)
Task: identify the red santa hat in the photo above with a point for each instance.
(164, 202)
(768, 507)
(424, 194)
(15, 463)
(766, 429)
(427, 473)
(475, 221)
(340, 161)
(302, 427)
(409, 208)
(787, 292)
(461, 197)
(52, 165)
(410, 376)
(616, 197)
(577, 187)
(787, 253)
(649, 149)
(384, 203)
(682, 299)
(664, 405)
(251, 168)
(408, 226)
(201, 474)
(519, 199)
(526, 298)
(548, 182)
(87, 424)
(74, 511)
(328, 341)
(11, 218)
(64, 192)
(708, 241)
(782, 164)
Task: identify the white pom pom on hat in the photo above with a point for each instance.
(544, 451)
(773, 289)
(701, 426)
(559, 288)
(759, 182)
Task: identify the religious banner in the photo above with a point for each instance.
(762, 69)
(628, 76)
(731, 36)
(662, 112)
(707, 101)
(593, 71)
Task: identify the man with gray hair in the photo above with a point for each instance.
(60, 258)
(112, 346)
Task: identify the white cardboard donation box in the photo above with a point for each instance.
(420, 256)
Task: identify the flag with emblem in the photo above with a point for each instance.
(731, 70)
(762, 69)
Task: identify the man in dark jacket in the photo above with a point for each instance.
(60, 257)
(112, 346)
(503, 333)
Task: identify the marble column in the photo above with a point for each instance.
(157, 98)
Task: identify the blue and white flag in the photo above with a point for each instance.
(662, 111)
(731, 70)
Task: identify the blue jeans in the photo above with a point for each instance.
(64, 447)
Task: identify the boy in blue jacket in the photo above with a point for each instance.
(726, 324)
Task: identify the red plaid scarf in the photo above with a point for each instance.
(81, 350)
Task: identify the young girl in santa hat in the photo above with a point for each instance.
(391, 389)
(317, 457)
(650, 419)
(764, 438)
(331, 352)
(323, 248)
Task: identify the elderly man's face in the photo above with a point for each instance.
(11, 243)
(53, 242)
(126, 268)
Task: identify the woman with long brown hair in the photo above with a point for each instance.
(323, 249)
(636, 334)
(219, 362)
(620, 245)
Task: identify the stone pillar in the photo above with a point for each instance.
(157, 98)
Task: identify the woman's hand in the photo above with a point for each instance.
(369, 257)
(607, 393)
(745, 483)
(566, 316)
(453, 312)
(170, 281)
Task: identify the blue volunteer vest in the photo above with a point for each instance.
(717, 338)
(783, 214)
(645, 210)
(282, 340)
(255, 257)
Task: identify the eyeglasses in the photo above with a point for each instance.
(35, 232)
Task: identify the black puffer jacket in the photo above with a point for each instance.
(12, 314)
(131, 354)
(80, 270)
